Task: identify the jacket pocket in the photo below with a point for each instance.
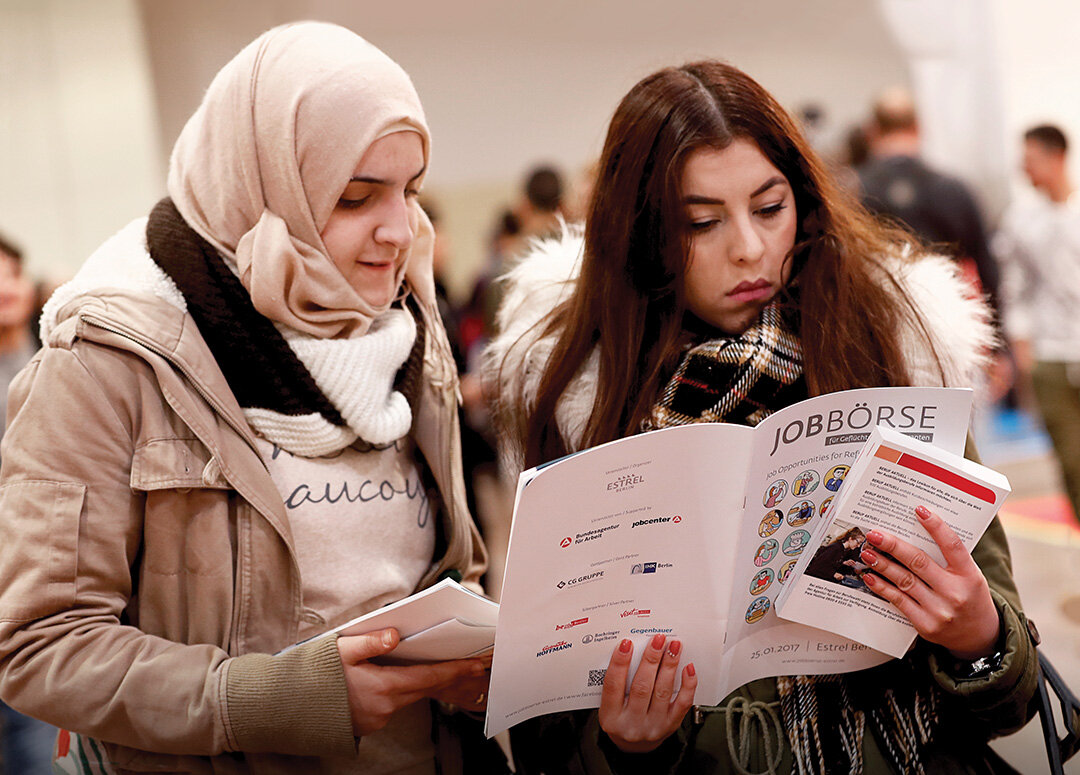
(40, 559)
(172, 463)
(187, 519)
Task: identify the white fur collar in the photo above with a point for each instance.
(121, 262)
(958, 324)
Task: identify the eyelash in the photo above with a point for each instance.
(766, 212)
(352, 204)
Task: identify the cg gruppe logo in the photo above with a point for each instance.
(580, 579)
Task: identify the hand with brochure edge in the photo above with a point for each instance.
(639, 721)
(951, 605)
(376, 692)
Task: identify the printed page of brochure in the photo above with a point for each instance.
(801, 457)
(630, 539)
(892, 476)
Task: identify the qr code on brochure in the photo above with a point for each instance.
(596, 677)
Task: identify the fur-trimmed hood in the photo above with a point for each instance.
(514, 360)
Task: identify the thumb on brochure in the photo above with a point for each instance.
(360, 648)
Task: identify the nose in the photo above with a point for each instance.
(746, 244)
(396, 226)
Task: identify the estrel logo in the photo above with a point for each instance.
(635, 612)
(625, 482)
(566, 542)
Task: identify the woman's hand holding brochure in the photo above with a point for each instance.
(951, 605)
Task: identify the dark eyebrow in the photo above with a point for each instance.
(695, 199)
(380, 181)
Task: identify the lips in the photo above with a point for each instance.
(751, 291)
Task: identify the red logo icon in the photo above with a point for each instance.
(676, 519)
(566, 542)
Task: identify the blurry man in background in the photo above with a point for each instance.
(17, 344)
(938, 208)
(27, 743)
(1039, 249)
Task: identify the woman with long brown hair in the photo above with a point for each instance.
(722, 276)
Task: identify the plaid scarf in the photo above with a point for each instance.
(743, 380)
(739, 379)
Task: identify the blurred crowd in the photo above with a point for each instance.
(1027, 264)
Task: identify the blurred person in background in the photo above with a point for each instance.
(27, 743)
(1038, 246)
(535, 214)
(939, 209)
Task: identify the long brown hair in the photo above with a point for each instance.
(628, 303)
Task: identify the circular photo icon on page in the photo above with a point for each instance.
(757, 610)
(770, 523)
(766, 552)
(761, 581)
(774, 493)
(796, 542)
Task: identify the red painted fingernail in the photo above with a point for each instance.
(625, 646)
(690, 669)
(869, 557)
(674, 647)
(875, 537)
(869, 579)
(658, 641)
(923, 512)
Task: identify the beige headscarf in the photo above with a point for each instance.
(259, 167)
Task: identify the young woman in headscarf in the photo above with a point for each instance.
(242, 431)
(722, 276)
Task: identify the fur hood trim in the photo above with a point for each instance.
(958, 324)
(123, 263)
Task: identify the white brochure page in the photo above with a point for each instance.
(802, 456)
(628, 540)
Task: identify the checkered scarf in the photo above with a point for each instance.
(739, 379)
(743, 380)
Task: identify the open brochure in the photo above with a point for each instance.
(691, 532)
(893, 475)
(445, 621)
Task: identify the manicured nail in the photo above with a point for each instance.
(870, 579)
(875, 537)
(625, 646)
(923, 512)
(690, 669)
(673, 648)
(658, 641)
(870, 557)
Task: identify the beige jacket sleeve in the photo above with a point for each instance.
(71, 530)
